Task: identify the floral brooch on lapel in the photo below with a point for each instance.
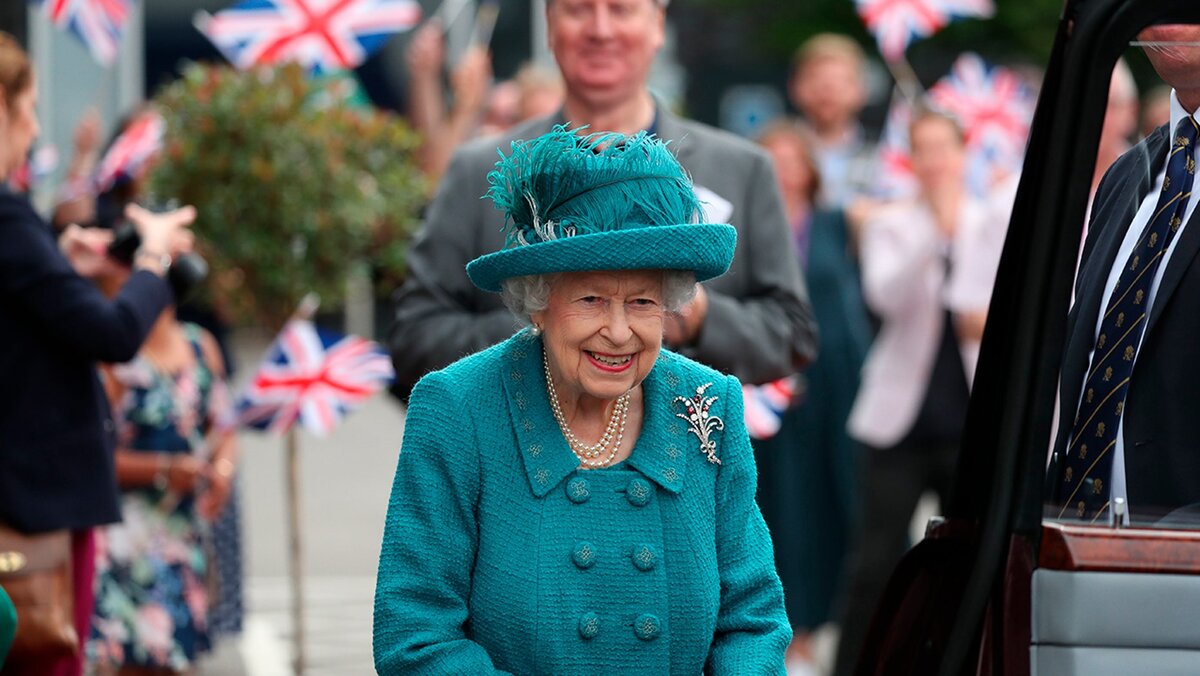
(700, 422)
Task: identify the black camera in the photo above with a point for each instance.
(187, 270)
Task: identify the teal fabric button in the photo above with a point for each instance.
(584, 555)
(579, 490)
(638, 492)
(647, 627)
(589, 626)
(644, 557)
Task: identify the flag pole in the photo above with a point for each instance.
(292, 460)
(307, 308)
(906, 78)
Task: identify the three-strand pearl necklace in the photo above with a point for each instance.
(591, 455)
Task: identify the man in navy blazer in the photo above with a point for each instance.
(1155, 461)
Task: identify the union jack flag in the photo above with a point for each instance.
(130, 152)
(98, 23)
(313, 376)
(322, 35)
(896, 178)
(764, 406)
(995, 108)
(897, 23)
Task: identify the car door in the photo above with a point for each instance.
(996, 587)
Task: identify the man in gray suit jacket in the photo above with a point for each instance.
(754, 322)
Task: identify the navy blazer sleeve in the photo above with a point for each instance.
(37, 278)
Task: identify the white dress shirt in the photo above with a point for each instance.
(1132, 236)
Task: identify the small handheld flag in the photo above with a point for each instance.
(765, 405)
(897, 23)
(97, 23)
(995, 108)
(896, 177)
(130, 152)
(322, 35)
(312, 376)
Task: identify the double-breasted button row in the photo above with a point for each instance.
(643, 556)
(637, 492)
(646, 627)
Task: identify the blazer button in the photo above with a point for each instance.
(638, 492)
(644, 558)
(589, 626)
(647, 627)
(584, 555)
(578, 490)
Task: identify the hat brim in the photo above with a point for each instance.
(705, 249)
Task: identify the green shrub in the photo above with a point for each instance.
(294, 185)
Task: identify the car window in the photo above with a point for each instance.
(1125, 441)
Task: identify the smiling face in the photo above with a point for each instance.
(602, 331)
(604, 48)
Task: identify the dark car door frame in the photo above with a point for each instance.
(931, 622)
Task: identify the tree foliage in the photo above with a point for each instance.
(293, 184)
(1021, 30)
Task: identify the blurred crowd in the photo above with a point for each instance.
(123, 392)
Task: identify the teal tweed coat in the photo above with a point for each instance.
(501, 556)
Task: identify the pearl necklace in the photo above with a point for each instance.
(589, 454)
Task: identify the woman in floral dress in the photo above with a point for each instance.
(175, 465)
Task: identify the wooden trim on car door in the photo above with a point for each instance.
(1072, 547)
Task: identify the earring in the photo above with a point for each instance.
(536, 330)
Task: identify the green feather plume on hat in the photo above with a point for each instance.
(563, 184)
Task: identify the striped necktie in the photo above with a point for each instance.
(1083, 487)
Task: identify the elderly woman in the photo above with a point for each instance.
(575, 499)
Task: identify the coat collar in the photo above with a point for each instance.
(660, 450)
(1098, 256)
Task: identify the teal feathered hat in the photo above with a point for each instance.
(600, 201)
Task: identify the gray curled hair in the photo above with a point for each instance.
(531, 293)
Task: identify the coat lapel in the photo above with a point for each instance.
(544, 452)
(660, 449)
(1181, 259)
(1112, 219)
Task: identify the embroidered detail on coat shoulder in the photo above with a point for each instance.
(700, 422)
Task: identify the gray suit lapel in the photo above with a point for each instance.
(671, 128)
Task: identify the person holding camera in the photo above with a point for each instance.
(56, 432)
